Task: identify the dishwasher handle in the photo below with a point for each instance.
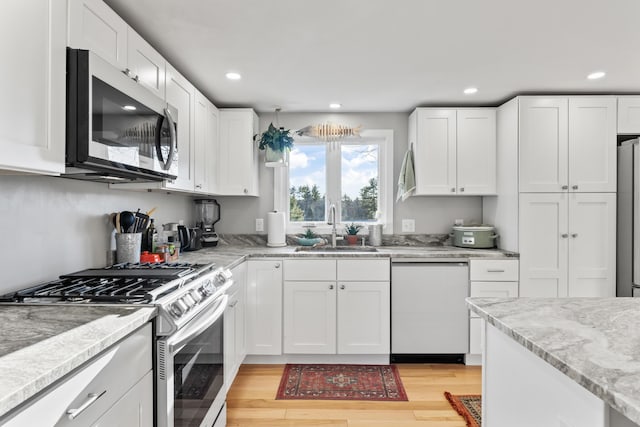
(422, 262)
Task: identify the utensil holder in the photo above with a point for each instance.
(128, 247)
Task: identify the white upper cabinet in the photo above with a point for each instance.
(629, 115)
(455, 151)
(206, 136)
(181, 95)
(567, 144)
(213, 132)
(32, 116)
(237, 153)
(95, 26)
(145, 64)
(476, 151)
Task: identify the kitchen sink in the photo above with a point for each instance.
(336, 249)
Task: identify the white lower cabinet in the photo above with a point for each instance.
(567, 245)
(235, 348)
(327, 310)
(264, 307)
(114, 389)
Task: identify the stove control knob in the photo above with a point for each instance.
(177, 309)
(196, 296)
(207, 288)
(188, 300)
(220, 279)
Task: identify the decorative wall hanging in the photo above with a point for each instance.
(329, 131)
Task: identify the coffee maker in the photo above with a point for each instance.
(207, 215)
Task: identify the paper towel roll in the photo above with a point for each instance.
(276, 229)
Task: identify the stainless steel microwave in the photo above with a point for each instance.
(117, 130)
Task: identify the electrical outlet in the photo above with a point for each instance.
(259, 224)
(458, 222)
(408, 225)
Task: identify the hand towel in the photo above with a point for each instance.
(407, 178)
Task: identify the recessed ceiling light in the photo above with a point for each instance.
(596, 75)
(129, 107)
(233, 76)
(470, 90)
(335, 105)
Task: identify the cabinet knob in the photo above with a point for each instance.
(330, 286)
(564, 235)
(453, 190)
(462, 189)
(574, 235)
(565, 187)
(136, 78)
(342, 286)
(198, 186)
(246, 191)
(126, 72)
(575, 187)
(277, 266)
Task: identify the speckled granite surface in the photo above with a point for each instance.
(233, 249)
(41, 344)
(594, 341)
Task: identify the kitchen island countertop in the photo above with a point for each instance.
(593, 341)
(40, 344)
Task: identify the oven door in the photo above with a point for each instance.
(190, 371)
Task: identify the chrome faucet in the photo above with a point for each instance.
(332, 221)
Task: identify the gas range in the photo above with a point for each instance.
(179, 290)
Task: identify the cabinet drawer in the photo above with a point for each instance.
(309, 269)
(109, 375)
(493, 270)
(493, 290)
(375, 270)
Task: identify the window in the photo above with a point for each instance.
(354, 174)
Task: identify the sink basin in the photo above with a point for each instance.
(336, 249)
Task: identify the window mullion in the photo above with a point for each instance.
(333, 177)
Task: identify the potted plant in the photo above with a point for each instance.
(276, 141)
(309, 238)
(352, 231)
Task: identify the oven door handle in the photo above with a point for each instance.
(200, 325)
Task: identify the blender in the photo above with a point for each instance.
(207, 214)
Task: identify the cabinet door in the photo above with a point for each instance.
(96, 27)
(544, 244)
(629, 115)
(592, 144)
(592, 245)
(310, 317)
(201, 136)
(264, 307)
(146, 65)
(543, 145)
(134, 409)
(435, 152)
(229, 333)
(237, 163)
(32, 116)
(363, 318)
(181, 95)
(210, 148)
(476, 151)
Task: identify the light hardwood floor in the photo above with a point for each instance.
(251, 400)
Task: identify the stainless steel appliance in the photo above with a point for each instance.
(429, 318)
(207, 215)
(116, 129)
(190, 300)
(628, 241)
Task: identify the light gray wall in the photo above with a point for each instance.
(432, 214)
(52, 226)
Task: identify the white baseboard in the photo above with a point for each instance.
(354, 359)
(473, 359)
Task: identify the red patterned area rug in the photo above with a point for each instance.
(468, 406)
(341, 382)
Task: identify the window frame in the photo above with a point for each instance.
(383, 137)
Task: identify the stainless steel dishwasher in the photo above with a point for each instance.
(429, 318)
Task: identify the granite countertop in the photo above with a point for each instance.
(594, 341)
(39, 344)
(231, 254)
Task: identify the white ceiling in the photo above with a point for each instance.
(385, 55)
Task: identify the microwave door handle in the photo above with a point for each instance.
(174, 139)
(198, 327)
